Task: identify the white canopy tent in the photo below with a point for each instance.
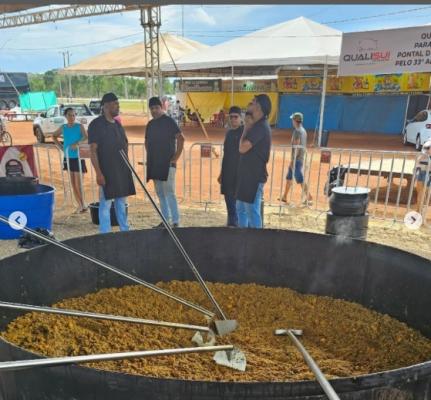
(298, 42)
(130, 60)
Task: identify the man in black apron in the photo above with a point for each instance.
(164, 143)
(106, 138)
(254, 147)
(229, 168)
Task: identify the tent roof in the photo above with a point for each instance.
(130, 60)
(296, 42)
(12, 8)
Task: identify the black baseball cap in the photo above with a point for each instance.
(108, 97)
(235, 110)
(154, 101)
(265, 103)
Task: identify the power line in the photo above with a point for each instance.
(377, 15)
(205, 34)
(74, 45)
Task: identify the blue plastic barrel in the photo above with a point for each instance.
(38, 208)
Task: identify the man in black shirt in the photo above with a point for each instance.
(229, 168)
(255, 148)
(164, 143)
(106, 138)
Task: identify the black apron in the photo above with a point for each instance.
(252, 165)
(229, 169)
(112, 139)
(161, 142)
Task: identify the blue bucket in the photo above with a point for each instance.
(38, 207)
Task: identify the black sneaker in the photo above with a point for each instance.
(175, 225)
(159, 226)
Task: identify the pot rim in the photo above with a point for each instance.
(351, 190)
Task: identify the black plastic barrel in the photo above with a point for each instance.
(94, 212)
(355, 227)
(381, 278)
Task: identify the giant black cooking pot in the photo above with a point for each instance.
(379, 277)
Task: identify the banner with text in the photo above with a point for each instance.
(389, 51)
(361, 84)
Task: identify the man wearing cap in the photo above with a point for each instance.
(296, 167)
(164, 144)
(229, 168)
(254, 147)
(106, 138)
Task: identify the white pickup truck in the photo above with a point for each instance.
(47, 123)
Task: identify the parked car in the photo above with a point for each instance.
(418, 129)
(95, 106)
(47, 123)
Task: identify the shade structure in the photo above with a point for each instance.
(130, 60)
(295, 42)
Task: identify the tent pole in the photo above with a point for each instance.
(190, 100)
(407, 111)
(322, 102)
(232, 88)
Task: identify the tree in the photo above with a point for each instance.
(168, 86)
(97, 85)
(37, 83)
(49, 79)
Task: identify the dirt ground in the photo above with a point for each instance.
(22, 133)
(198, 190)
(197, 175)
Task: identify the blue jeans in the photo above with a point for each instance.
(232, 216)
(105, 213)
(168, 201)
(249, 213)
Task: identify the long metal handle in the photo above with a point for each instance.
(109, 317)
(175, 238)
(323, 382)
(50, 362)
(109, 267)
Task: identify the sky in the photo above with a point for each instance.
(38, 48)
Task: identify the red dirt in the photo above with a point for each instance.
(135, 127)
(191, 186)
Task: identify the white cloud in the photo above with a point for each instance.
(201, 16)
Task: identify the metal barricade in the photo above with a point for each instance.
(283, 158)
(204, 166)
(391, 176)
(137, 157)
(49, 162)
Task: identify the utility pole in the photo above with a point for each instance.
(182, 20)
(70, 77)
(66, 63)
(61, 88)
